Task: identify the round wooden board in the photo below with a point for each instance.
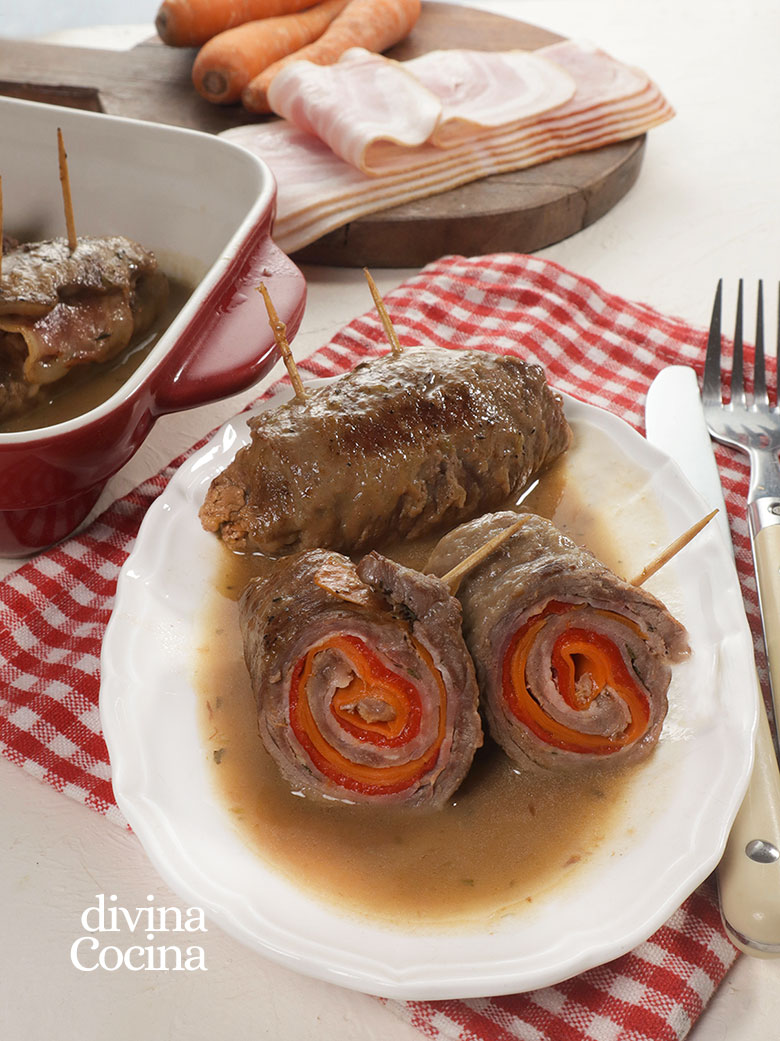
(518, 212)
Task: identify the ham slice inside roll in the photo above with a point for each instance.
(573, 663)
(378, 707)
(570, 676)
(365, 691)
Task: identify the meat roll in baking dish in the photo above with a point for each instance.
(573, 662)
(401, 445)
(364, 688)
(61, 308)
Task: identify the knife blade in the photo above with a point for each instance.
(749, 871)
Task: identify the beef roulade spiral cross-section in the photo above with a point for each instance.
(365, 691)
(573, 662)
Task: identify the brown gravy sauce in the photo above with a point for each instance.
(87, 386)
(506, 838)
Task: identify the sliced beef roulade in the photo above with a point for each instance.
(365, 690)
(573, 662)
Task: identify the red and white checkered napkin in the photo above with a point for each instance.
(654, 993)
(54, 609)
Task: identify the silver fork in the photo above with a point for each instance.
(748, 871)
(754, 427)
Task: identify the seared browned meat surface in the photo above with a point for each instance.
(60, 308)
(365, 690)
(399, 446)
(573, 662)
(38, 275)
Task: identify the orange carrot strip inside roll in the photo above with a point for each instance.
(359, 776)
(576, 652)
(373, 679)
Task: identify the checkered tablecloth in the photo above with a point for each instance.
(595, 346)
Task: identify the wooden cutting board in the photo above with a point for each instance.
(519, 212)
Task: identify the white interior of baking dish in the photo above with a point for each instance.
(191, 198)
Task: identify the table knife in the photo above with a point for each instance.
(749, 871)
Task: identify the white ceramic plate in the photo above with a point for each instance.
(665, 841)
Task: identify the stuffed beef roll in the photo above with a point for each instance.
(400, 446)
(365, 691)
(62, 308)
(573, 662)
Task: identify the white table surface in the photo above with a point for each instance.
(706, 205)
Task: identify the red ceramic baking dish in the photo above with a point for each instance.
(205, 208)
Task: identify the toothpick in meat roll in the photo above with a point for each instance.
(401, 446)
(365, 691)
(573, 662)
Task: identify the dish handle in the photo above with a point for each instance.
(228, 344)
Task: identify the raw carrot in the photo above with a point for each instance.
(189, 23)
(229, 60)
(373, 24)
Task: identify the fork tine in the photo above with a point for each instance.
(710, 390)
(737, 379)
(760, 395)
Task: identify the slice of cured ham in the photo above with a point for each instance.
(365, 691)
(483, 91)
(573, 662)
(382, 109)
(319, 191)
(387, 109)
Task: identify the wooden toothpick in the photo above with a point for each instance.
(671, 550)
(454, 576)
(280, 336)
(390, 332)
(66, 198)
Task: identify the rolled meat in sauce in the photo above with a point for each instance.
(573, 662)
(61, 308)
(401, 446)
(365, 690)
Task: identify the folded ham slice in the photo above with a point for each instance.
(387, 109)
(361, 164)
(379, 103)
(573, 662)
(484, 91)
(365, 691)
(399, 446)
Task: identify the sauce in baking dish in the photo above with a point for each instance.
(507, 836)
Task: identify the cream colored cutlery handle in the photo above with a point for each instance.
(749, 871)
(766, 552)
